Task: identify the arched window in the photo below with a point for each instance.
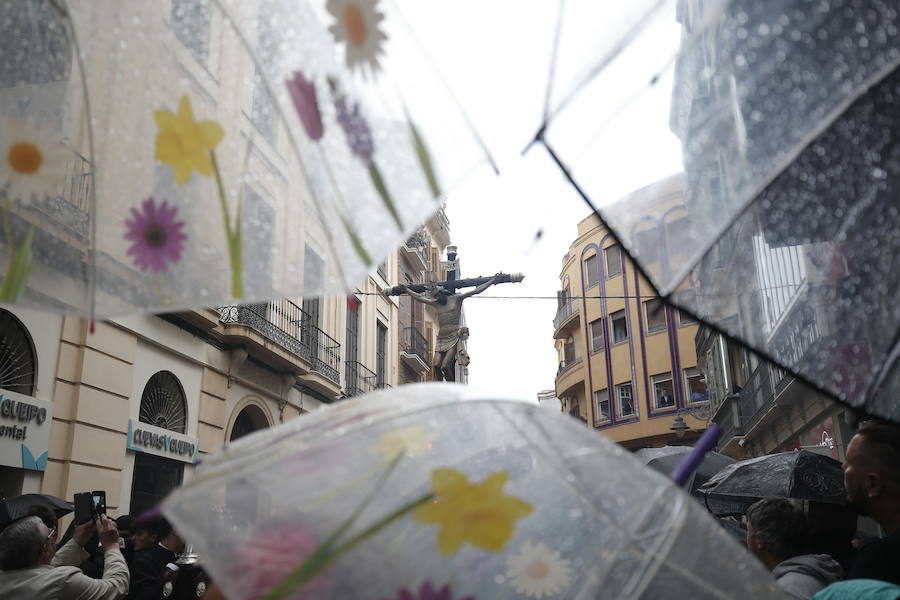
(163, 403)
(250, 419)
(18, 360)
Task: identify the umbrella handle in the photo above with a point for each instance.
(690, 463)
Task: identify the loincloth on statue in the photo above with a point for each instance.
(447, 342)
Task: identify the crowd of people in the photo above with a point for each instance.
(101, 559)
(105, 559)
(781, 535)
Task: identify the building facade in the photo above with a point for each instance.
(131, 407)
(627, 363)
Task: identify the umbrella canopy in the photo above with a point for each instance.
(424, 488)
(20, 505)
(666, 460)
(800, 474)
(194, 153)
(783, 229)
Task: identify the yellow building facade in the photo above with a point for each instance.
(627, 363)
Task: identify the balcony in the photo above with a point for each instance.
(416, 249)
(289, 326)
(358, 379)
(566, 317)
(71, 209)
(414, 350)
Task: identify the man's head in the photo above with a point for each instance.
(872, 469)
(26, 543)
(145, 534)
(169, 538)
(125, 525)
(776, 530)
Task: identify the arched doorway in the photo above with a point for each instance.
(163, 405)
(18, 373)
(251, 418)
(18, 360)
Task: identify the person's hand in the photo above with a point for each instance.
(109, 534)
(82, 534)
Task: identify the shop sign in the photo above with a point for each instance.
(24, 431)
(143, 437)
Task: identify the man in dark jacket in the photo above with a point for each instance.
(777, 534)
(149, 572)
(872, 479)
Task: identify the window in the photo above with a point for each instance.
(619, 326)
(381, 355)
(569, 351)
(313, 272)
(592, 275)
(695, 387)
(163, 403)
(613, 261)
(18, 360)
(190, 20)
(382, 270)
(597, 335)
(654, 315)
(685, 319)
(601, 400)
(663, 391)
(625, 400)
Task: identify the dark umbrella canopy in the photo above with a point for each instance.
(800, 474)
(20, 505)
(666, 460)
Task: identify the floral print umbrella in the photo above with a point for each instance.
(194, 152)
(430, 492)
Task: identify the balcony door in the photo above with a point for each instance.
(352, 344)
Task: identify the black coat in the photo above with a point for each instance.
(147, 570)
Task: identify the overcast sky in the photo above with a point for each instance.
(496, 56)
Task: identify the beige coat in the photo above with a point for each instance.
(63, 580)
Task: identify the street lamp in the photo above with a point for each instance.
(679, 426)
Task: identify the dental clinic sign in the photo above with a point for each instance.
(24, 431)
(143, 437)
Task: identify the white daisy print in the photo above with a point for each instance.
(32, 160)
(536, 571)
(358, 27)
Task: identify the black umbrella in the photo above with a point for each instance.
(20, 505)
(800, 474)
(666, 460)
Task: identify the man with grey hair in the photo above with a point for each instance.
(778, 535)
(28, 563)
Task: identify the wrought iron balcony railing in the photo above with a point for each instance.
(414, 342)
(290, 326)
(758, 395)
(565, 310)
(565, 365)
(358, 378)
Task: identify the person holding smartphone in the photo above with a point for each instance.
(31, 567)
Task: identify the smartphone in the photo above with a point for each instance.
(84, 504)
(98, 503)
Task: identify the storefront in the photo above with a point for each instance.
(157, 439)
(24, 438)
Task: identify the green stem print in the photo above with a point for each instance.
(232, 234)
(20, 261)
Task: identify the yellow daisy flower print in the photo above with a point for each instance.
(477, 513)
(183, 143)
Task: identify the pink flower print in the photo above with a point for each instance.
(303, 93)
(156, 236)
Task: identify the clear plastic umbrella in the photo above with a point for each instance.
(783, 116)
(431, 489)
(195, 152)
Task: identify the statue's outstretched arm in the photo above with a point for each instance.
(421, 297)
(482, 287)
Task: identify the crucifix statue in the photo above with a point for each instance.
(444, 297)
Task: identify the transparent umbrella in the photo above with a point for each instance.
(782, 229)
(196, 152)
(430, 489)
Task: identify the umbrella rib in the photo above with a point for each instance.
(553, 58)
